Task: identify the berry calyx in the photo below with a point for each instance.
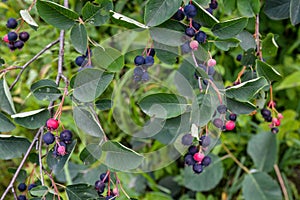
(11, 23)
(22, 187)
(12, 36)
(211, 62)
(79, 60)
(139, 60)
(24, 36)
(48, 138)
(230, 125)
(194, 44)
(190, 10)
(52, 124)
(66, 136)
(197, 168)
(198, 157)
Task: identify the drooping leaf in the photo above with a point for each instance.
(159, 11)
(248, 8)
(290, 81)
(104, 104)
(97, 14)
(6, 124)
(245, 91)
(267, 71)
(6, 102)
(90, 154)
(125, 21)
(247, 40)
(109, 58)
(12, 147)
(229, 29)
(79, 38)
(28, 19)
(239, 107)
(260, 186)
(204, 17)
(119, 157)
(32, 119)
(162, 105)
(269, 45)
(295, 12)
(226, 44)
(56, 15)
(39, 191)
(90, 84)
(81, 192)
(208, 179)
(277, 9)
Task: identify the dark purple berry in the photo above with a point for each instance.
(185, 48)
(211, 71)
(22, 187)
(32, 185)
(12, 36)
(239, 57)
(48, 138)
(11, 23)
(196, 25)
(206, 161)
(79, 60)
(99, 186)
(200, 37)
(197, 168)
(189, 160)
(193, 149)
(11, 46)
(151, 52)
(21, 197)
(139, 60)
(24, 36)
(211, 11)
(179, 15)
(232, 117)
(145, 77)
(19, 44)
(187, 139)
(213, 5)
(190, 10)
(190, 32)
(222, 109)
(204, 141)
(102, 176)
(274, 130)
(66, 136)
(149, 61)
(218, 122)
(265, 113)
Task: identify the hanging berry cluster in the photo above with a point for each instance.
(142, 63)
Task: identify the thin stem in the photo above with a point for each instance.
(118, 182)
(35, 139)
(257, 40)
(235, 159)
(32, 60)
(281, 182)
(216, 90)
(53, 184)
(14, 192)
(40, 160)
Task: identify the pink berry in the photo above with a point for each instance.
(276, 121)
(194, 44)
(5, 39)
(211, 62)
(61, 150)
(279, 116)
(52, 124)
(230, 125)
(198, 157)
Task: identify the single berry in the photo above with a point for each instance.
(139, 60)
(19, 44)
(21, 197)
(232, 117)
(185, 48)
(138, 73)
(268, 119)
(79, 60)
(190, 10)
(279, 116)
(66, 136)
(265, 113)
(196, 25)
(11, 23)
(145, 77)
(274, 130)
(24, 36)
(239, 57)
(61, 150)
(230, 125)
(187, 139)
(190, 32)
(99, 186)
(52, 124)
(5, 39)
(189, 160)
(194, 44)
(32, 185)
(204, 141)
(48, 138)
(12, 36)
(211, 62)
(150, 52)
(206, 161)
(211, 72)
(211, 11)
(200, 37)
(22, 187)
(179, 15)
(213, 5)
(149, 61)
(276, 121)
(102, 176)
(193, 149)
(222, 109)
(205, 81)
(197, 168)
(198, 157)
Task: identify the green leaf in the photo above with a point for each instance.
(97, 14)
(263, 150)
(28, 19)
(246, 90)
(266, 70)
(22, 176)
(39, 191)
(45, 90)
(42, 83)
(32, 119)
(249, 58)
(104, 104)
(295, 12)
(208, 179)
(6, 102)
(166, 54)
(207, 106)
(121, 158)
(157, 195)
(162, 105)
(226, 44)
(246, 40)
(168, 36)
(290, 81)
(204, 17)
(159, 11)
(248, 8)
(12, 147)
(79, 38)
(6, 124)
(277, 9)
(81, 192)
(269, 45)
(87, 122)
(90, 154)
(238, 107)
(260, 186)
(90, 84)
(56, 15)
(56, 164)
(109, 58)
(229, 29)
(125, 21)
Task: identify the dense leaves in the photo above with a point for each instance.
(12, 147)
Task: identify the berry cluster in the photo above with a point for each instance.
(100, 186)
(60, 148)
(142, 63)
(275, 121)
(212, 6)
(83, 60)
(11, 38)
(226, 124)
(195, 156)
(22, 188)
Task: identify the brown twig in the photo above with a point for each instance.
(281, 182)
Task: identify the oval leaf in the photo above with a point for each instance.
(79, 38)
(204, 17)
(267, 71)
(97, 14)
(277, 9)
(32, 119)
(248, 8)
(229, 29)
(6, 124)
(295, 12)
(47, 93)
(90, 154)
(168, 36)
(246, 40)
(28, 19)
(269, 45)
(238, 107)
(81, 192)
(13, 147)
(226, 44)
(104, 104)
(290, 81)
(6, 102)
(108, 58)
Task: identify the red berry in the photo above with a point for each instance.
(61, 150)
(198, 157)
(5, 38)
(230, 125)
(280, 116)
(211, 62)
(276, 121)
(52, 124)
(194, 44)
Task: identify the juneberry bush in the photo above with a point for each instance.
(157, 99)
